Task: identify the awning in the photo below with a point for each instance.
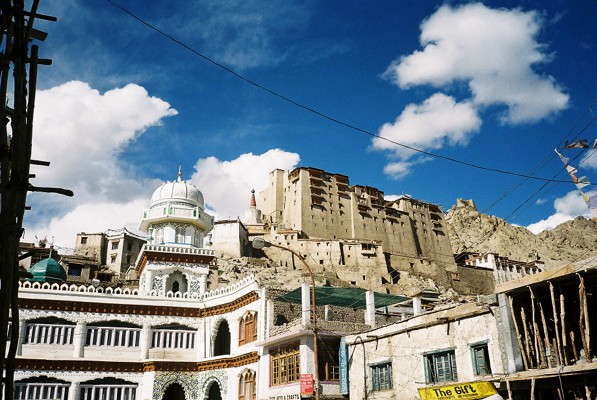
(343, 297)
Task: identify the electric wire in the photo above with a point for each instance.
(320, 113)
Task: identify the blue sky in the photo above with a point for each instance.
(495, 83)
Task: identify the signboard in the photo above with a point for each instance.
(343, 366)
(306, 384)
(467, 390)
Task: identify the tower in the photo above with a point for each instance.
(173, 259)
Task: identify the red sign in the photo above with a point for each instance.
(306, 384)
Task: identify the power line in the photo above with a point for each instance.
(322, 114)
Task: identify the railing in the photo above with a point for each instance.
(101, 392)
(49, 334)
(180, 250)
(54, 391)
(173, 339)
(63, 287)
(112, 336)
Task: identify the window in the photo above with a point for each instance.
(381, 376)
(159, 236)
(84, 240)
(246, 386)
(285, 365)
(113, 259)
(329, 363)
(180, 234)
(74, 270)
(480, 354)
(441, 366)
(115, 245)
(247, 328)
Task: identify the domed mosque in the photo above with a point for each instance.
(173, 259)
(47, 270)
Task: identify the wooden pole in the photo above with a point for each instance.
(574, 349)
(563, 325)
(545, 336)
(536, 334)
(532, 388)
(509, 390)
(526, 336)
(585, 329)
(522, 352)
(555, 322)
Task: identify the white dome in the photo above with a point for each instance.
(178, 190)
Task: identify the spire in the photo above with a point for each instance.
(253, 203)
(180, 173)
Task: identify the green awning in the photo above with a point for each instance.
(343, 297)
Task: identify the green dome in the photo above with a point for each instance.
(48, 270)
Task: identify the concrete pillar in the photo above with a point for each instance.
(417, 308)
(370, 310)
(145, 341)
(202, 284)
(79, 339)
(270, 317)
(261, 318)
(73, 391)
(22, 333)
(145, 390)
(327, 313)
(306, 304)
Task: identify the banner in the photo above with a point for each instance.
(306, 384)
(468, 390)
(342, 352)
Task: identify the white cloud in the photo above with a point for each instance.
(494, 51)
(226, 185)
(567, 208)
(83, 132)
(437, 122)
(91, 218)
(590, 159)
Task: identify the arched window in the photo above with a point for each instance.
(180, 234)
(159, 236)
(175, 287)
(246, 385)
(247, 328)
(197, 238)
(222, 340)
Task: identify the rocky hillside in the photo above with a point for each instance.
(471, 231)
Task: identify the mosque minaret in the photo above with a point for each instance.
(174, 260)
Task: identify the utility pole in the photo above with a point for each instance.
(18, 70)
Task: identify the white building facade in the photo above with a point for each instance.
(172, 338)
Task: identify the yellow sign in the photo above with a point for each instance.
(467, 390)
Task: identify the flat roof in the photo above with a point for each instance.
(343, 297)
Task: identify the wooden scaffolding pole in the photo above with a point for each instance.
(525, 361)
(555, 322)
